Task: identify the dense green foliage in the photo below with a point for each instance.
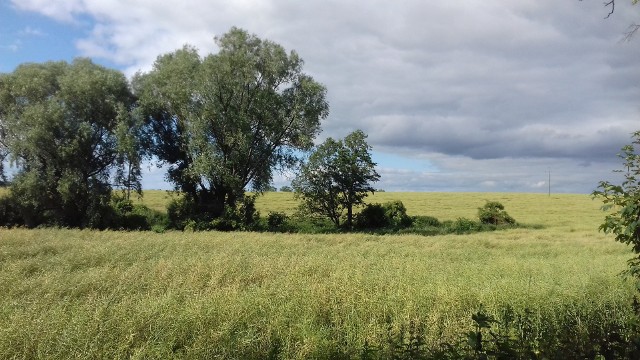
(59, 125)
(336, 178)
(391, 214)
(276, 220)
(623, 203)
(183, 214)
(225, 122)
(128, 215)
(493, 213)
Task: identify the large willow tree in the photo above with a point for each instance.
(225, 122)
(58, 125)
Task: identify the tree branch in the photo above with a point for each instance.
(613, 7)
(631, 30)
(611, 3)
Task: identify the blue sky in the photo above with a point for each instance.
(456, 96)
(30, 37)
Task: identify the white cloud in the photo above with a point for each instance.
(29, 31)
(59, 10)
(493, 92)
(15, 46)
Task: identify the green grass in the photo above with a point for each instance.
(91, 294)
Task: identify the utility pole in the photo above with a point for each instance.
(549, 182)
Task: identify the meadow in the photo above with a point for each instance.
(241, 295)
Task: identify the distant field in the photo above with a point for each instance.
(527, 208)
(106, 294)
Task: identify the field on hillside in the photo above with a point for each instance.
(106, 294)
(563, 210)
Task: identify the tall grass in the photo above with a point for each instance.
(91, 294)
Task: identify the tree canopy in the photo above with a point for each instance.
(337, 177)
(225, 122)
(57, 125)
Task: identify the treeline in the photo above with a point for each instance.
(221, 124)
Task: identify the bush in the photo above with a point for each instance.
(426, 221)
(373, 216)
(464, 226)
(493, 213)
(243, 217)
(396, 214)
(9, 212)
(308, 223)
(184, 214)
(127, 216)
(390, 214)
(276, 220)
(180, 211)
(230, 220)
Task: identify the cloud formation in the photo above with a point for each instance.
(493, 93)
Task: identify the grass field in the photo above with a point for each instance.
(105, 294)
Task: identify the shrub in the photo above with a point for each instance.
(179, 211)
(229, 221)
(9, 212)
(276, 220)
(128, 216)
(121, 205)
(127, 219)
(390, 214)
(493, 213)
(396, 214)
(426, 221)
(373, 216)
(185, 214)
(464, 226)
(308, 223)
(243, 217)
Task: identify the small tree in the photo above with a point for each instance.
(337, 177)
(623, 203)
(493, 213)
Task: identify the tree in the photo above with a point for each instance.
(633, 28)
(225, 122)
(286, 188)
(623, 203)
(493, 213)
(337, 177)
(57, 124)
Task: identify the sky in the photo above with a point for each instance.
(476, 95)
